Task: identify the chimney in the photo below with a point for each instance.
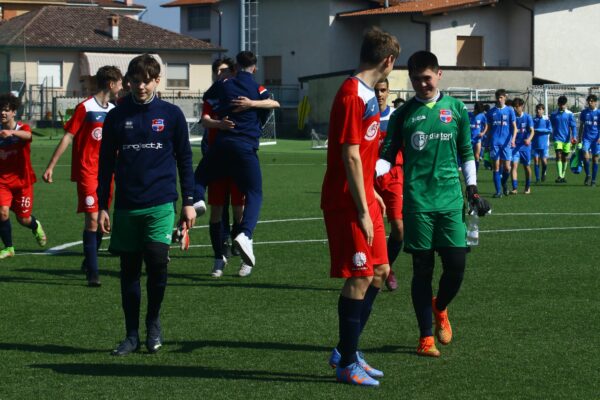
(128, 3)
(113, 23)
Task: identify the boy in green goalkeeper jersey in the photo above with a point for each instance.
(433, 130)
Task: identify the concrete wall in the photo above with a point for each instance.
(567, 48)
(199, 70)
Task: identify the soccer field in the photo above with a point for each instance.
(525, 321)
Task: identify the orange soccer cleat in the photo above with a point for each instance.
(443, 330)
(427, 347)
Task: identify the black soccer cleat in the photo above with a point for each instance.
(93, 279)
(153, 337)
(129, 345)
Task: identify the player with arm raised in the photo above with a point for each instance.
(522, 150)
(433, 129)
(564, 130)
(84, 130)
(16, 176)
(352, 209)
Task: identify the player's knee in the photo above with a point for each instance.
(25, 221)
(454, 259)
(156, 255)
(382, 271)
(131, 266)
(423, 262)
(4, 213)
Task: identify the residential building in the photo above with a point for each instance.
(13, 8)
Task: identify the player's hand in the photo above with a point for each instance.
(477, 204)
(380, 201)
(366, 225)
(382, 167)
(4, 133)
(242, 103)
(573, 141)
(104, 221)
(513, 144)
(188, 217)
(527, 142)
(226, 124)
(47, 175)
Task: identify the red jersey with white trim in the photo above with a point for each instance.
(15, 160)
(354, 120)
(86, 126)
(207, 109)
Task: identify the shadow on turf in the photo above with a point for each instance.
(47, 348)
(178, 371)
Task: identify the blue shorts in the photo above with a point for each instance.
(501, 153)
(475, 140)
(591, 145)
(522, 154)
(541, 153)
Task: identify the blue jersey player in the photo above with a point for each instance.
(522, 150)
(502, 130)
(542, 129)
(478, 129)
(590, 139)
(564, 130)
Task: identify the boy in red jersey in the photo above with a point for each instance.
(352, 209)
(16, 176)
(84, 129)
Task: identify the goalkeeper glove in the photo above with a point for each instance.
(478, 205)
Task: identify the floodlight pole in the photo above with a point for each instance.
(242, 26)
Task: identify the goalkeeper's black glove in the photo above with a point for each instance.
(477, 204)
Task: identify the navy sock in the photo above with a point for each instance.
(370, 296)
(477, 165)
(6, 233)
(421, 291)
(90, 252)
(504, 177)
(393, 249)
(515, 183)
(235, 230)
(349, 312)
(453, 262)
(544, 168)
(594, 171)
(33, 224)
(527, 183)
(131, 293)
(216, 238)
(586, 167)
(99, 235)
(156, 286)
(536, 169)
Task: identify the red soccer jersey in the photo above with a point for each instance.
(354, 119)
(15, 160)
(207, 109)
(86, 125)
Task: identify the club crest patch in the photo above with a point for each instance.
(446, 116)
(158, 125)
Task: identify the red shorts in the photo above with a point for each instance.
(389, 187)
(20, 200)
(219, 190)
(87, 196)
(350, 254)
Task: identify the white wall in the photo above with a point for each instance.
(567, 47)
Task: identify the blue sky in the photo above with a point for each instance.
(167, 18)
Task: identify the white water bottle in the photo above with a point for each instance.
(472, 229)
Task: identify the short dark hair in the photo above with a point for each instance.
(142, 68)
(245, 59)
(540, 107)
(562, 100)
(106, 75)
(9, 100)
(422, 60)
(592, 97)
(478, 107)
(500, 92)
(378, 45)
(384, 80)
(517, 102)
(220, 61)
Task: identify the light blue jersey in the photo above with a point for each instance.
(564, 127)
(589, 122)
(524, 125)
(478, 123)
(500, 122)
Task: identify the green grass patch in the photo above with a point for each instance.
(525, 321)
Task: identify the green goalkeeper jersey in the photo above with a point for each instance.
(432, 136)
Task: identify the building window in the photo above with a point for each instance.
(469, 51)
(198, 18)
(272, 68)
(50, 74)
(178, 75)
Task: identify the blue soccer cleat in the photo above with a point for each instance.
(354, 374)
(335, 358)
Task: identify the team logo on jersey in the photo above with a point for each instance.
(89, 201)
(372, 131)
(97, 133)
(158, 125)
(128, 124)
(446, 116)
(359, 259)
(419, 140)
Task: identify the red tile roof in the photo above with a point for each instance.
(425, 7)
(183, 3)
(108, 3)
(86, 29)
